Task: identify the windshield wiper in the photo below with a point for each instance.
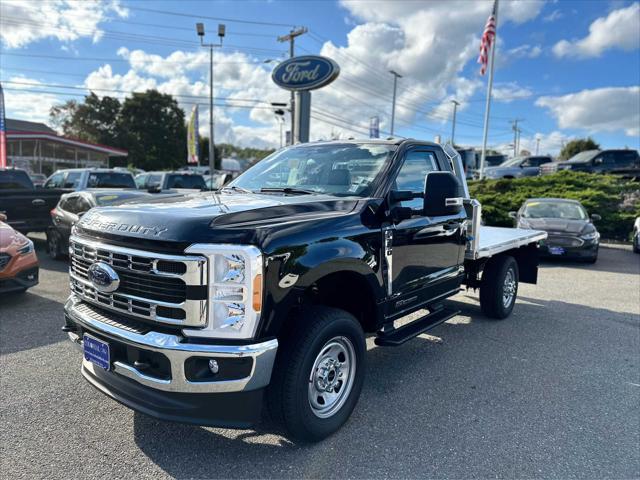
(293, 190)
(233, 188)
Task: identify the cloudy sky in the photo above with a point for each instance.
(564, 68)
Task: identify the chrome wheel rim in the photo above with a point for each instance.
(509, 288)
(332, 377)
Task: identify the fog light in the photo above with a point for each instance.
(213, 366)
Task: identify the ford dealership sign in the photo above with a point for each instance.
(305, 73)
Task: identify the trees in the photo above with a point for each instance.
(153, 129)
(576, 146)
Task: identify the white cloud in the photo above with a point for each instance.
(23, 22)
(25, 102)
(550, 144)
(508, 92)
(600, 110)
(619, 29)
(525, 51)
(553, 16)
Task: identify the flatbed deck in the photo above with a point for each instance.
(494, 240)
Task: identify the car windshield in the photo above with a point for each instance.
(564, 210)
(111, 180)
(185, 181)
(337, 169)
(583, 156)
(514, 162)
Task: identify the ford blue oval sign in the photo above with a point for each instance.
(305, 73)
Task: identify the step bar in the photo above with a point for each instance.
(398, 336)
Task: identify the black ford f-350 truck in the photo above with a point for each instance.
(200, 308)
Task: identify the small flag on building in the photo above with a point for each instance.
(3, 132)
(193, 146)
(488, 35)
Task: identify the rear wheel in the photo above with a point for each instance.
(318, 374)
(54, 245)
(499, 287)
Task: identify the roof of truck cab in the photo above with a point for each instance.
(375, 141)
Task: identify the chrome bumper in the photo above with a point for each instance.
(177, 352)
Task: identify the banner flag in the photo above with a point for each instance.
(193, 146)
(3, 132)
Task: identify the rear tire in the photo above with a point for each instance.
(636, 243)
(54, 245)
(318, 373)
(499, 287)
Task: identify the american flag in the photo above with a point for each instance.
(3, 132)
(488, 35)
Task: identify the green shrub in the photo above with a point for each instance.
(615, 199)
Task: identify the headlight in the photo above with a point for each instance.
(26, 248)
(590, 235)
(235, 290)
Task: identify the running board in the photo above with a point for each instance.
(400, 335)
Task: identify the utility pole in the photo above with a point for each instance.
(291, 38)
(537, 144)
(453, 122)
(514, 127)
(396, 76)
(211, 46)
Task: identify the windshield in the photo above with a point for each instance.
(583, 156)
(565, 210)
(111, 180)
(514, 162)
(185, 181)
(337, 169)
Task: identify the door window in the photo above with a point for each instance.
(413, 172)
(72, 180)
(141, 181)
(55, 181)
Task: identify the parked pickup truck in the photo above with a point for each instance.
(193, 308)
(26, 207)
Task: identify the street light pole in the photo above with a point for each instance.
(291, 38)
(393, 104)
(537, 145)
(221, 33)
(453, 122)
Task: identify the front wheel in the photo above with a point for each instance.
(499, 287)
(318, 374)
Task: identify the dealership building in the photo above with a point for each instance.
(39, 149)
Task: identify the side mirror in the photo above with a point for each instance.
(153, 189)
(513, 215)
(3, 217)
(442, 194)
(595, 217)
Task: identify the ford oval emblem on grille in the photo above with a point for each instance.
(103, 277)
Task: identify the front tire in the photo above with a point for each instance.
(499, 287)
(318, 373)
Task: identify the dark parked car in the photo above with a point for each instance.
(571, 232)
(74, 205)
(518, 167)
(26, 207)
(158, 181)
(82, 178)
(624, 162)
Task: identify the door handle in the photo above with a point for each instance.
(38, 202)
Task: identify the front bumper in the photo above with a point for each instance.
(231, 398)
(588, 250)
(21, 281)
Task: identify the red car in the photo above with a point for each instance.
(18, 260)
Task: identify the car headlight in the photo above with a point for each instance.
(235, 290)
(26, 249)
(592, 235)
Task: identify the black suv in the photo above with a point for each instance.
(625, 162)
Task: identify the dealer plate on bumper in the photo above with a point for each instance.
(96, 351)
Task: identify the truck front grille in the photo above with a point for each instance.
(152, 286)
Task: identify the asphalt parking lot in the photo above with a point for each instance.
(553, 391)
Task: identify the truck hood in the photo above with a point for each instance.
(556, 225)
(208, 217)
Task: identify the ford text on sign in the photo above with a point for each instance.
(305, 73)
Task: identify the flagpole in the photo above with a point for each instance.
(488, 105)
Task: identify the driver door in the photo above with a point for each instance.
(426, 251)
